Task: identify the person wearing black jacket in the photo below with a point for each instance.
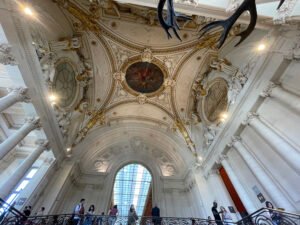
(155, 213)
(216, 214)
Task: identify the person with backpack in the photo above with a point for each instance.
(79, 212)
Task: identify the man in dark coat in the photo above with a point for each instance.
(156, 215)
(216, 214)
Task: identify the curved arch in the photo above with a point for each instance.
(122, 162)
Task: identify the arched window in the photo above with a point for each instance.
(132, 186)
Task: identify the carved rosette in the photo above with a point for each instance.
(141, 99)
(147, 55)
(119, 76)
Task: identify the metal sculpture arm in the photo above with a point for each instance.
(280, 3)
(247, 5)
(171, 21)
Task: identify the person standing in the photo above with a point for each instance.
(215, 212)
(155, 213)
(79, 212)
(113, 212)
(226, 217)
(40, 212)
(132, 216)
(89, 215)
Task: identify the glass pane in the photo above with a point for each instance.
(31, 173)
(131, 186)
(11, 198)
(22, 185)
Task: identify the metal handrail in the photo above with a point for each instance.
(263, 216)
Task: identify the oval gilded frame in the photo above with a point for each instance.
(137, 59)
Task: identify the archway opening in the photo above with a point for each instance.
(132, 186)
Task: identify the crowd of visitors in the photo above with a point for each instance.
(80, 217)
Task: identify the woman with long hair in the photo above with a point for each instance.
(132, 216)
(89, 215)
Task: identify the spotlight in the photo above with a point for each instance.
(52, 98)
(28, 11)
(261, 47)
(68, 149)
(223, 116)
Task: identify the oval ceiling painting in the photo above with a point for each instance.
(144, 77)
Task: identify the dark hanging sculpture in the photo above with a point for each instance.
(280, 4)
(171, 22)
(247, 5)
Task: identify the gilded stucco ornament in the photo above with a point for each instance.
(119, 76)
(147, 55)
(141, 99)
(182, 129)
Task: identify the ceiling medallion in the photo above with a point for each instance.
(144, 77)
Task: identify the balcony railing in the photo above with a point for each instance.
(261, 217)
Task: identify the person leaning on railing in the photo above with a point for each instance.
(273, 215)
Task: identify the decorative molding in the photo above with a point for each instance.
(6, 57)
(34, 121)
(250, 116)
(43, 143)
(21, 92)
(268, 90)
(233, 140)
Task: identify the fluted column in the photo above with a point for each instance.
(21, 171)
(238, 186)
(265, 180)
(18, 136)
(277, 92)
(16, 95)
(283, 148)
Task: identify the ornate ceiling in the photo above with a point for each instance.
(137, 94)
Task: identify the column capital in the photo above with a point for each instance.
(267, 92)
(42, 143)
(21, 93)
(34, 121)
(222, 158)
(250, 117)
(211, 172)
(234, 139)
(6, 58)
